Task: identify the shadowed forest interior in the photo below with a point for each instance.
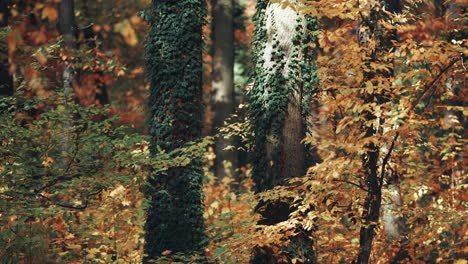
(233, 131)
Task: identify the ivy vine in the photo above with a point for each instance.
(174, 54)
(270, 94)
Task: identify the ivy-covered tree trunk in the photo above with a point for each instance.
(6, 79)
(174, 53)
(284, 80)
(223, 79)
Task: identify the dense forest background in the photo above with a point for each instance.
(233, 131)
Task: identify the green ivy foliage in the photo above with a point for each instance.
(270, 95)
(174, 52)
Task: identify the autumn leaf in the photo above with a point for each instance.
(41, 58)
(50, 13)
(166, 252)
(128, 33)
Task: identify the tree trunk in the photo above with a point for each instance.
(6, 79)
(371, 161)
(174, 47)
(277, 97)
(68, 29)
(223, 80)
(393, 221)
(284, 75)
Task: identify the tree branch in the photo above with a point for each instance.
(428, 87)
(65, 205)
(433, 82)
(352, 183)
(387, 158)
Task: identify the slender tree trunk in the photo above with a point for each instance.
(68, 29)
(223, 80)
(393, 221)
(373, 179)
(6, 79)
(174, 49)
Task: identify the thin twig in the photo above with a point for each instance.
(433, 82)
(366, 21)
(352, 183)
(387, 158)
(71, 206)
(413, 105)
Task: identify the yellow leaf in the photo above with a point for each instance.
(47, 162)
(166, 252)
(41, 58)
(128, 33)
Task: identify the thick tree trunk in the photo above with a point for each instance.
(174, 47)
(283, 64)
(294, 152)
(6, 79)
(277, 99)
(223, 80)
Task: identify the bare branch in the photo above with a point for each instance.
(64, 205)
(352, 183)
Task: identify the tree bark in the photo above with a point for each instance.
(393, 221)
(371, 161)
(68, 30)
(277, 97)
(6, 79)
(223, 80)
(282, 64)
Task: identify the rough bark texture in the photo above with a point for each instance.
(294, 152)
(6, 79)
(223, 80)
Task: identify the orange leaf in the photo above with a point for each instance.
(50, 13)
